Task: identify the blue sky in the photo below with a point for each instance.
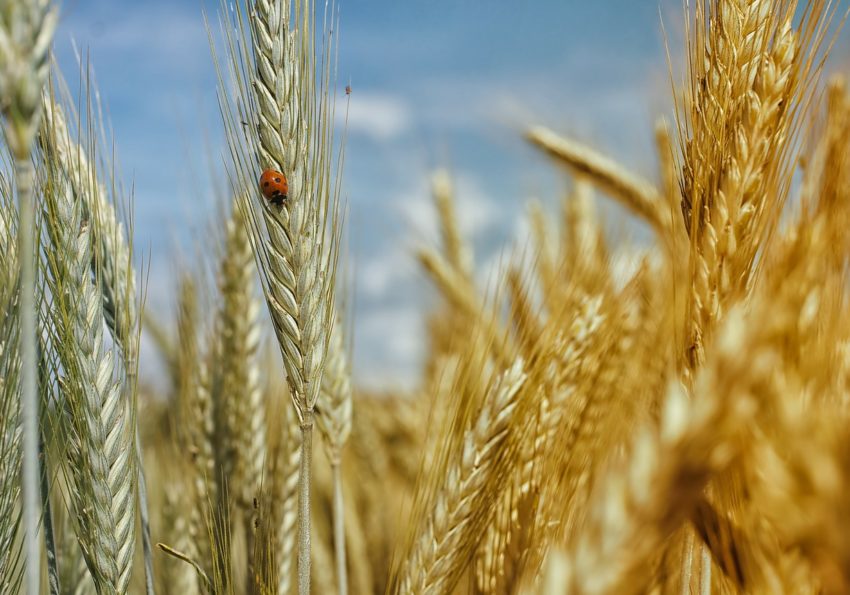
(435, 84)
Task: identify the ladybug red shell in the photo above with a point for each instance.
(274, 186)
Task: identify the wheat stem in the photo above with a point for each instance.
(304, 504)
(339, 528)
(29, 388)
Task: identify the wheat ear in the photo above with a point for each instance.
(283, 89)
(457, 251)
(240, 381)
(239, 394)
(195, 423)
(26, 33)
(334, 420)
(112, 261)
(284, 471)
(446, 538)
(99, 417)
(751, 82)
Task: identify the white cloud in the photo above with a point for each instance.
(377, 275)
(390, 346)
(377, 115)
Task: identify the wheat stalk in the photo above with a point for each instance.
(26, 33)
(283, 88)
(437, 555)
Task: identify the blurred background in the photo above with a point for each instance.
(440, 84)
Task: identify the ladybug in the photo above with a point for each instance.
(274, 186)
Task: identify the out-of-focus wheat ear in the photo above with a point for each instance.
(195, 422)
(545, 251)
(584, 252)
(283, 478)
(201, 451)
(456, 249)
(448, 533)
(461, 296)
(633, 192)
(26, 34)
(333, 415)
(101, 441)
(178, 576)
(74, 575)
(239, 395)
(10, 402)
(240, 380)
(642, 503)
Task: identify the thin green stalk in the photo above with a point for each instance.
(304, 482)
(142, 494)
(49, 537)
(339, 527)
(29, 387)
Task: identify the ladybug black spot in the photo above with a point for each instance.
(265, 184)
(277, 180)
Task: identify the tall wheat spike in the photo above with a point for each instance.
(112, 260)
(240, 377)
(99, 417)
(750, 84)
(282, 88)
(238, 393)
(26, 33)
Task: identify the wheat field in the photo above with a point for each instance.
(677, 425)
